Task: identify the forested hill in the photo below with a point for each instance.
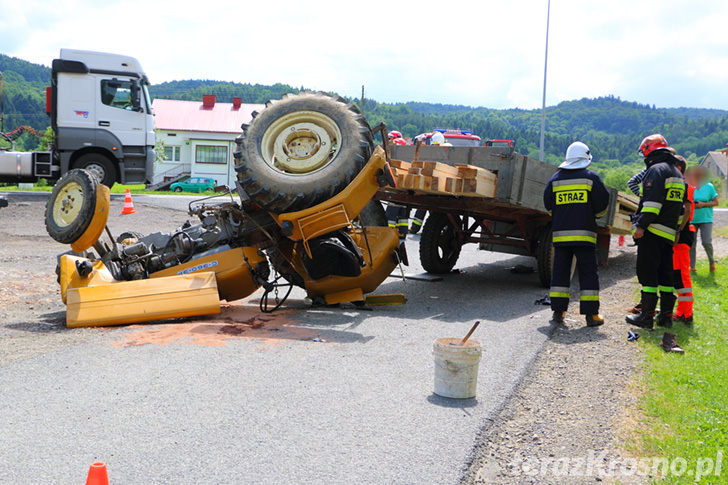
(611, 127)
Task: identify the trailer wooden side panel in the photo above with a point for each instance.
(521, 180)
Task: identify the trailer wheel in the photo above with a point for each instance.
(71, 206)
(102, 169)
(439, 245)
(301, 151)
(545, 256)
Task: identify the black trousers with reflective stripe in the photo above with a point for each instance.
(586, 264)
(654, 267)
(398, 216)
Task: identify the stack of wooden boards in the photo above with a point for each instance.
(626, 205)
(443, 179)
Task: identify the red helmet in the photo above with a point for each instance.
(652, 143)
(396, 134)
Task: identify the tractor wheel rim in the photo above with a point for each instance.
(68, 204)
(301, 142)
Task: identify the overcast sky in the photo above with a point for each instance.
(487, 53)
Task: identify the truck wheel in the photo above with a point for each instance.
(102, 169)
(439, 245)
(71, 206)
(545, 256)
(301, 151)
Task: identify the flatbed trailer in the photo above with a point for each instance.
(511, 220)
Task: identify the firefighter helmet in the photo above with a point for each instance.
(438, 138)
(652, 143)
(395, 134)
(578, 156)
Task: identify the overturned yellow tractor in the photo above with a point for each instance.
(307, 172)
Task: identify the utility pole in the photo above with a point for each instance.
(2, 103)
(362, 99)
(545, 65)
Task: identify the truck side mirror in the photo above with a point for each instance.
(136, 101)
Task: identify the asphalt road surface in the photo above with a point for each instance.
(325, 395)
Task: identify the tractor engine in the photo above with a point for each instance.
(135, 257)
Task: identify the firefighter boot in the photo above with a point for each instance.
(644, 318)
(667, 303)
(594, 320)
(558, 317)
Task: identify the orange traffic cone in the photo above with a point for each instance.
(97, 474)
(128, 204)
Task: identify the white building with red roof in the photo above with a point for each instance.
(199, 138)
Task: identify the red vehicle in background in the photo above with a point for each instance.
(501, 143)
(396, 138)
(456, 138)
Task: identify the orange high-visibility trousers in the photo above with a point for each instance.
(683, 284)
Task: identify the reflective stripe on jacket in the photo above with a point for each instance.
(663, 193)
(575, 198)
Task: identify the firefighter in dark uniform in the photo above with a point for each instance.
(654, 229)
(576, 197)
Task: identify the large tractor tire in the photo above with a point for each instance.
(99, 166)
(301, 151)
(71, 206)
(439, 244)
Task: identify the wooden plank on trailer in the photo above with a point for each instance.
(453, 185)
(400, 164)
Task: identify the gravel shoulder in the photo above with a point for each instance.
(567, 421)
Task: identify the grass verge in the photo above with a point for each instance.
(685, 397)
(116, 189)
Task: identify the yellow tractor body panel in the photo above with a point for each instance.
(99, 300)
(383, 242)
(98, 222)
(69, 277)
(234, 279)
(338, 211)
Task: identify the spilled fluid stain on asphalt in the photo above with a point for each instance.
(237, 320)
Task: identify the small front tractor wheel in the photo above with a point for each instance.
(71, 206)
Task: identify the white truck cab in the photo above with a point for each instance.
(103, 116)
(101, 113)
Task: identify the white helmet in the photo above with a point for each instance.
(578, 156)
(438, 138)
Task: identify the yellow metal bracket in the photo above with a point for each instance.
(98, 221)
(337, 212)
